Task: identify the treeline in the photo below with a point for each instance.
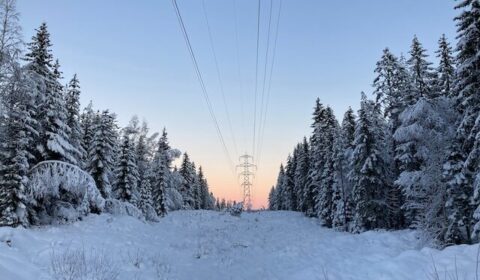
(41, 122)
(409, 158)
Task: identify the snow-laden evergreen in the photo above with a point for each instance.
(369, 170)
(72, 103)
(427, 127)
(446, 67)
(421, 71)
(467, 86)
(101, 154)
(323, 200)
(317, 160)
(301, 173)
(159, 173)
(53, 141)
(87, 119)
(342, 187)
(18, 134)
(126, 173)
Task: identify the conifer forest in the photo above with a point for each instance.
(387, 189)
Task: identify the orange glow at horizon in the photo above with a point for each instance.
(226, 185)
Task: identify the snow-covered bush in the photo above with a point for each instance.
(77, 264)
(150, 214)
(59, 192)
(174, 199)
(236, 209)
(122, 208)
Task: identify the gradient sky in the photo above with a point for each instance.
(131, 58)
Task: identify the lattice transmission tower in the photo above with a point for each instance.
(247, 174)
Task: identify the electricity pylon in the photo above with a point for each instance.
(247, 168)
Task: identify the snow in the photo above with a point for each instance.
(216, 245)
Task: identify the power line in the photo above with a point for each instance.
(256, 80)
(270, 79)
(264, 76)
(212, 46)
(202, 83)
(239, 72)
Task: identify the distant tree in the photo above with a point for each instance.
(187, 170)
(421, 71)
(301, 173)
(446, 68)
(280, 190)
(271, 199)
(289, 194)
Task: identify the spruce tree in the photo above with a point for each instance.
(142, 153)
(72, 103)
(459, 194)
(391, 87)
(290, 195)
(18, 135)
(301, 173)
(421, 71)
(462, 166)
(271, 199)
(316, 160)
(88, 131)
(369, 173)
(53, 142)
(324, 202)
(394, 91)
(348, 127)
(446, 67)
(203, 190)
(280, 190)
(195, 188)
(160, 170)
(102, 151)
(340, 192)
(40, 53)
(145, 203)
(342, 186)
(187, 170)
(126, 173)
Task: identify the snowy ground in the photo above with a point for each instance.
(212, 245)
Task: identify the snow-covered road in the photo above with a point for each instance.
(213, 245)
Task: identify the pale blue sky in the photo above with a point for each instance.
(131, 58)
